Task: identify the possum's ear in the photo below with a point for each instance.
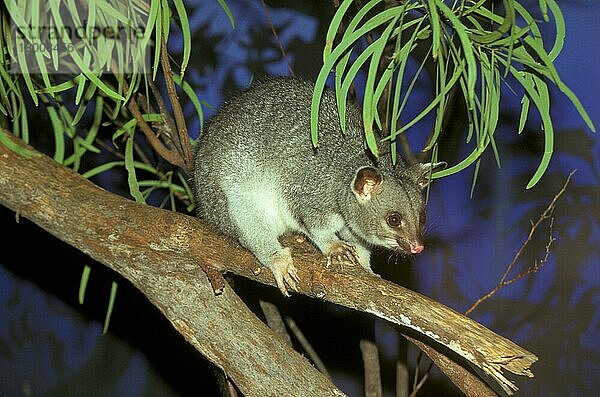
(424, 171)
(366, 182)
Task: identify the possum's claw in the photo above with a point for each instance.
(284, 271)
(341, 252)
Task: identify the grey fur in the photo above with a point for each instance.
(257, 176)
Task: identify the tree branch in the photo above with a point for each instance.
(182, 140)
(160, 252)
(150, 247)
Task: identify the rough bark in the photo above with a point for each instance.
(160, 252)
(150, 247)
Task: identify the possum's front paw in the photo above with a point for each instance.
(284, 271)
(342, 251)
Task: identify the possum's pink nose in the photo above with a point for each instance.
(416, 249)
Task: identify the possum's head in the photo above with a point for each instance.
(389, 210)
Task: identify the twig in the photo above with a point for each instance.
(184, 139)
(281, 49)
(370, 357)
(275, 321)
(307, 347)
(547, 214)
(168, 154)
(163, 107)
(109, 149)
(401, 379)
(418, 383)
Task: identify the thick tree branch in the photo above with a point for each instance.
(159, 252)
(149, 247)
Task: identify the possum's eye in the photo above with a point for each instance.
(394, 219)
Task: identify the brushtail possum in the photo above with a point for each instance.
(257, 176)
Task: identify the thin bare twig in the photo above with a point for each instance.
(275, 321)
(504, 281)
(281, 49)
(401, 379)
(184, 139)
(418, 383)
(164, 151)
(170, 123)
(370, 357)
(307, 347)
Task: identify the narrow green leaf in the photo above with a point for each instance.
(54, 8)
(131, 123)
(25, 73)
(85, 276)
(59, 87)
(187, 35)
(4, 102)
(544, 9)
(342, 91)
(341, 96)
(436, 100)
(546, 122)
(369, 105)
(370, 102)
(403, 57)
(330, 60)
(80, 88)
(189, 91)
(172, 193)
(524, 113)
(24, 126)
(400, 54)
(67, 121)
(162, 184)
(110, 165)
(158, 37)
(41, 52)
(166, 20)
(89, 94)
(91, 18)
(108, 9)
(334, 26)
(559, 20)
(435, 27)
(59, 131)
(228, 12)
(111, 304)
(132, 181)
(13, 147)
(188, 191)
(467, 161)
(471, 66)
(475, 174)
(506, 25)
(550, 72)
(87, 143)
